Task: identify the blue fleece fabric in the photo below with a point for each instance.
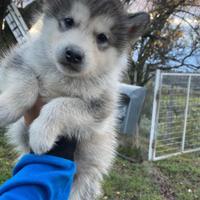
(40, 178)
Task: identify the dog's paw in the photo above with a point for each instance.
(41, 137)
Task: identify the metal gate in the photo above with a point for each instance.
(175, 125)
(16, 24)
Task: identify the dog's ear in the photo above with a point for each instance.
(51, 6)
(48, 2)
(137, 24)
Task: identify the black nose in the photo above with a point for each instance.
(74, 56)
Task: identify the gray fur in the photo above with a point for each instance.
(110, 8)
(79, 104)
(58, 8)
(17, 60)
(101, 107)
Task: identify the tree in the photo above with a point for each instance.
(172, 41)
(3, 7)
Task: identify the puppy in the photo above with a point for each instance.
(74, 64)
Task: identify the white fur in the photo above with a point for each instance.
(66, 94)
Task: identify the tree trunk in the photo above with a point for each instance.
(3, 7)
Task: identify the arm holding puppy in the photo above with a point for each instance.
(49, 176)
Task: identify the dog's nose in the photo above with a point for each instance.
(74, 55)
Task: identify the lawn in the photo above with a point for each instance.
(173, 179)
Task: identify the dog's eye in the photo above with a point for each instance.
(102, 38)
(67, 23)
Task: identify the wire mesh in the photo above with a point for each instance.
(193, 121)
(178, 118)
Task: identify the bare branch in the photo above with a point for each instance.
(193, 28)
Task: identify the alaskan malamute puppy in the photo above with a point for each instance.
(74, 64)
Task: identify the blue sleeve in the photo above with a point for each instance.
(39, 177)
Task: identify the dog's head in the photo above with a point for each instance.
(89, 36)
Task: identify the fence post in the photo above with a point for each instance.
(186, 114)
(154, 116)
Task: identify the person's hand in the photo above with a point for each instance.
(64, 147)
(34, 112)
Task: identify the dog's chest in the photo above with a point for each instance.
(52, 85)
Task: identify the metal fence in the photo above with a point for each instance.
(176, 115)
(16, 24)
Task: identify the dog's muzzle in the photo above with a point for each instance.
(73, 58)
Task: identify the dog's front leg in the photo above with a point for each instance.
(94, 159)
(18, 137)
(62, 116)
(20, 95)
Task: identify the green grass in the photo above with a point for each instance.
(177, 178)
(173, 179)
(184, 175)
(7, 158)
(130, 181)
